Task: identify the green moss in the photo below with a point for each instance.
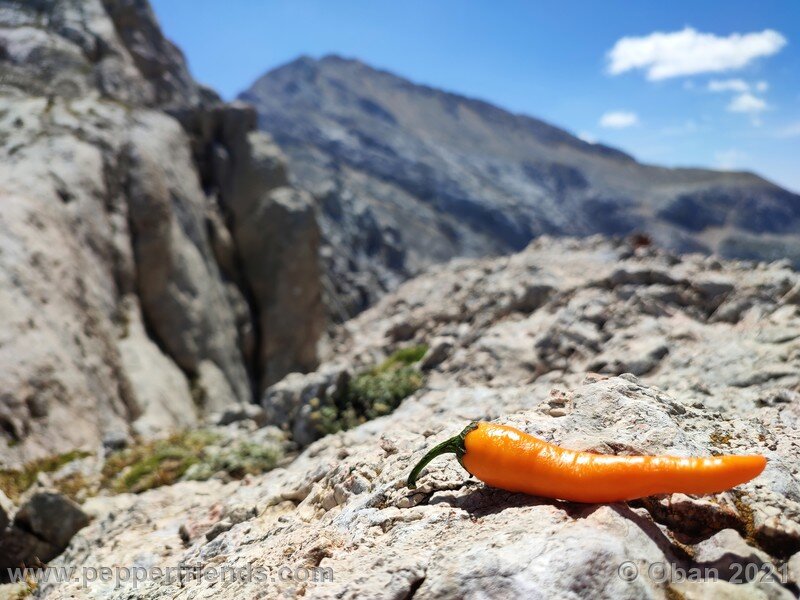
(14, 482)
(404, 356)
(164, 467)
(154, 463)
(193, 455)
(372, 393)
(149, 464)
(237, 460)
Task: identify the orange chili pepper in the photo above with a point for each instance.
(507, 458)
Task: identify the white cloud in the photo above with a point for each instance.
(728, 85)
(747, 103)
(790, 131)
(736, 85)
(587, 137)
(744, 101)
(688, 52)
(619, 119)
(729, 160)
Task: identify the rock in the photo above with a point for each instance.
(277, 238)
(241, 413)
(436, 354)
(157, 267)
(240, 513)
(214, 389)
(159, 62)
(51, 517)
(201, 522)
(114, 47)
(732, 311)
(218, 528)
(233, 516)
(667, 338)
(731, 591)
(793, 296)
(713, 291)
(289, 285)
(97, 507)
(19, 547)
(779, 533)
(637, 357)
(6, 510)
(350, 510)
(793, 568)
(159, 390)
(640, 275)
(41, 528)
(285, 402)
(729, 554)
(115, 440)
(179, 283)
(140, 290)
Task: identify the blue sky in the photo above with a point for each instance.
(561, 61)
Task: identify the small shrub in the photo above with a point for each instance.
(372, 393)
(378, 392)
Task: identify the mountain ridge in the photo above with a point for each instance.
(407, 175)
(601, 147)
(479, 101)
(462, 97)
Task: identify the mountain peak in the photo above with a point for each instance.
(412, 175)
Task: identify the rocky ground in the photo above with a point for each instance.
(593, 345)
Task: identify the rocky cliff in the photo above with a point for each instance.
(155, 265)
(590, 344)
(408, 176)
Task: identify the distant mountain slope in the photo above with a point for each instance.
(408, 175)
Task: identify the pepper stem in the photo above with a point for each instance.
(454, 445)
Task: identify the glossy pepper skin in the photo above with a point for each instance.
(507, 458)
